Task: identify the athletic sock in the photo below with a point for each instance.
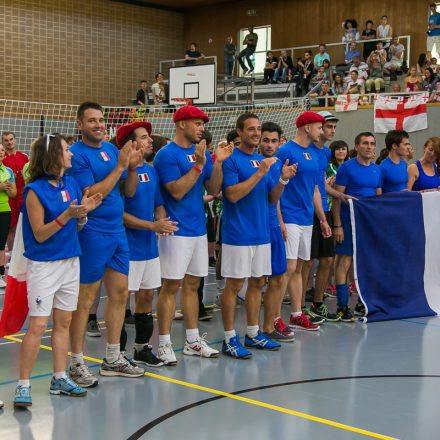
(295, 314)
(252, 330)
(139, 347)
(112, 352)
(92, 317)
(123, 338)
(229, 335)
(60, 375)
(24, 383)
(2, 270)
(192, 335)
(127, 313)
(143, 324)
(164, 339)
(76, 358)
(317, 304)
(342, 292)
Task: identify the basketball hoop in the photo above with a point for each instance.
(182, 101)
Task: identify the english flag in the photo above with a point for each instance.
(15, 308)
(400, 113)
(346, 103)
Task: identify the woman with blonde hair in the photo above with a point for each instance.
(423, 175)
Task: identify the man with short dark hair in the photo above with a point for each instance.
(433, 30)
(192, 55)
(321, 56)
(142, 93)
(269, 69)
(250, 42)
(285, 64)
(229, 57)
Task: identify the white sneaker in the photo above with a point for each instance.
(1, 404)
(166, 354)
(178, 316)
(2, 282)
(200, 348)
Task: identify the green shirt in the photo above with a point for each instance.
(251, 36)
(6, 174)
(25, 172)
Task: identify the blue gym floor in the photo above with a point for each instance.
(348, 381)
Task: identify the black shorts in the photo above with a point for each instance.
(322, 247)
(5, 220)
(210, 227)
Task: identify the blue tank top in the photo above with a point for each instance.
(55, 200)
(424, 181)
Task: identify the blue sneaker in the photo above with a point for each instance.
(234, 349)
(262, 342)
(22, 397)
(67, 386)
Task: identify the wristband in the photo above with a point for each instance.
(324, 220)
(83, 222)
(59, 223)
(283, 182)
(197, 168)
(132, 170)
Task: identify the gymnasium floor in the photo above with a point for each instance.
(349, 381)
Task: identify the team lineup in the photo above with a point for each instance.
(135, 221)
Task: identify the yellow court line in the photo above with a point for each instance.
(244, 399)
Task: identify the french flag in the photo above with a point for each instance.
(15, 307)
(104, 156)
(255, 163)
(143, 177)
(65, 196)
(307, 156)
(191, 158)
(396, 244)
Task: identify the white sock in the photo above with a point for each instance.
(24, 383)
(164, 339)
(295, 314)
(252, 330)
(76, 358)
(139, 347)
(60, 375)
(229, 335)
(192, 335)
(112, 352)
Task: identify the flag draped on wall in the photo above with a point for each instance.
(346, 103)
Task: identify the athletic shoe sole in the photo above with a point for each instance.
(259, 347)
(205, 317)
(58, 392)
(247, 356)
(161, 364)
(117, 373)
(94, 334)
(198, 353)
(298, 327)
(92, 385)
(348, 320)
(22, 404)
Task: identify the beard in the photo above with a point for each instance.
(148, 157)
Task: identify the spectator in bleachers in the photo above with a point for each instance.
(430, 80)
(381, 51)
(362, 69)
(350, 32)
(368, 34)
(396, 88)
(158, 90)
(324, 91)
(355, 85)
(352, 52)
(306, 70)
(328, 70)
(338, 84)
(321, 56)
(435, 96)
(434, 66)
(250, 42)
(269, 69)
(375, 64)
(142, 94)
(384, 30)
(433, 29)
(412, 80)
(285, 64)
(422, 63)
(319, 76)
(396, 51)
(229, 54)
(192, 55)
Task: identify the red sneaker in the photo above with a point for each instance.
(302, 322)
(331, 291)
(280, 326)
(352, 289)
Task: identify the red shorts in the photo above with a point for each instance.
(15, 205)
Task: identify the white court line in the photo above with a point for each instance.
(13, 342)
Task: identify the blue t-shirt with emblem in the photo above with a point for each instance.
(91, 165)
(141, 242)
(55, 200)
(324, 154)
(434, 19)
(394, 175)
(171, 163)
(246, 222)
(297, 200)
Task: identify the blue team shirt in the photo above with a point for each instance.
(394, 176)
(246, 222)
(171, 163)
(274, 221)
(141, 242)
(91, 165)
(359, 180)
(297, 199)
(324, 154)
(435, 20)
(55, 200)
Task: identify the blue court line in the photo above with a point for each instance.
(418, 322)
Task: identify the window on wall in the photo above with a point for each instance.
(264, 44)
(436, 49)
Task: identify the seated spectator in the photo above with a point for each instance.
(352, 52)
(328, 70)
(362, 69)
(321, 56)
(338, 85)
(355, 85)
(142, 94)
(435, 96)
(350, 32)
(192, 55)
(422, 63)
(395, 52)
(434, 66)
(368, 34)
(269, 69)
(375, 64)
(412, 80)
(430, 80)
(324, 90)
(158, 90)
(320, 76)
(396, 88)
(381, 51)
(384, 30)
(285, 64)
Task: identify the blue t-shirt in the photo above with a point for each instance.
(324, 154)
(141, 242)
(394, 176)
(297, 199)
(246, 222)
(359, 181)
(435, 20)
(171, 163)
(91, 165)
(55, 200)
(274, 221)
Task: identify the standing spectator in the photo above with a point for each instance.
(412, 80)
(15, 160)
(306, 68)
(250, 41)
(355, 85)
(430, 80)
(338, 85)
(321, 56)
(158, 90)
(375, 64)
(396, 58)
(350, 32)
(192, 55)
(229, 54)
(269, 69)
(433, 30)
(368, 34)
(351, 53)
(142, 94)
(285, 64)
(384, 30)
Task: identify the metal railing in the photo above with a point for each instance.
(181, 62)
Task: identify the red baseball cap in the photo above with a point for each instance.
(125, 130)
(308, 118)
(190, 112)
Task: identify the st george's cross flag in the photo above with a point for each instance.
(396, 248)
(400, 113)
(347, 103)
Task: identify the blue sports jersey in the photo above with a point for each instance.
(434, 19)
(274, 221)
(55, 200)
(359, 180)
(324, 154)
(297, 199)
(171, 163)
(246, 222)
(91, 165)
(141, 242)
(394, 176)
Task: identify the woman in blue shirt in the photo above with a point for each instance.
(423, 175)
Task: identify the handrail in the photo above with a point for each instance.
(173, 62)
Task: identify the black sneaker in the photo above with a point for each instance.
(310, 294)
(323, 312)
(345, 314)
(129, 320)
(146, 357)
(359, 310)
(314, 318)
(204, 316)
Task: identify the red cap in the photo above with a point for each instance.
(308, 118)
(190, 112)
(125, 130)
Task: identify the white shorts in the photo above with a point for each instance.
(246, 261)
(430, 41)
(144, 275)
(52, 285)
(299, 241)
(183, 255)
